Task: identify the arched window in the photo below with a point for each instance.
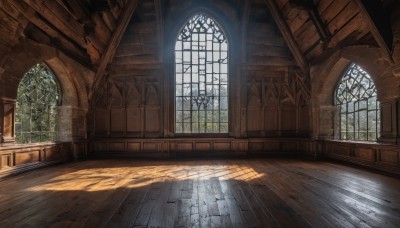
(359, 109)
(201, 77)
(37, 99)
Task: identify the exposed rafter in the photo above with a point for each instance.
(374, 30)
(287, 34)
(109, 52)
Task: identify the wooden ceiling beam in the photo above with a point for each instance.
(288, 35)
(374, 30)
(75, 51)
(60, 18)
(113, 44)
(34, 33)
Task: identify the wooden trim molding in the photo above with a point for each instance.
(19, 158)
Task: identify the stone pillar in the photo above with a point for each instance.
(324, 119)
(72, 124)
(7, 119)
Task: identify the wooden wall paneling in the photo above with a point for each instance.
(118, 121)
(116, 147)
(114, 41)
(153, 117)
(102, 119)
(203, 146)
(150, 147)
(6, 161)
(291, 147)
(342, 149)
(288, 118)
(271, 120)
(303, 121)
(27, 157)
(389, 156)
(271, 146)
(191, 147)
(222, 146)
(152, 120)
(80, 150)
(52, 154)
(254, 118)
(184, 147)
(23, 157)
(255, 147)
(133, 147)
(365, 153)
(134, 123)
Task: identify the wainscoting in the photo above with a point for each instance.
(19, 158)
(383, 157)
(190, 147)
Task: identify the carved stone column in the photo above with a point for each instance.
(7, 118)
(324, 119)
(71, 124)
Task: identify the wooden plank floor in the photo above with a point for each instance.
(200, 193)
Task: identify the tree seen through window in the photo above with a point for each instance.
(37, 99)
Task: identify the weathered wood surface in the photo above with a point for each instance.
(202, 193)
(77, 28)
(339, 18)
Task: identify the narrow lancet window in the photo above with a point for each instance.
(201, 74)
(356, 98)
(37, 99)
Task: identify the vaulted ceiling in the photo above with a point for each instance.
(90, 31)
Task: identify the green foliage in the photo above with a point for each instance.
(37, 99)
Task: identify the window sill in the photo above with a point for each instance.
(6, 146)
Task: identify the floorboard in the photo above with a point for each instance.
(200, 193)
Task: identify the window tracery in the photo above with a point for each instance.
(201, 74)
(356, 98)
(37, 99)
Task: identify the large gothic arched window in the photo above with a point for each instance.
(356, 97)
(201, 77)
(37, 99)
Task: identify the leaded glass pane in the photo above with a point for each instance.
(37, 99)
(201, 72)
(359, 109)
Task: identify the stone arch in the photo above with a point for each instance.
(72, 87)
(73, 79)
(326, 76)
